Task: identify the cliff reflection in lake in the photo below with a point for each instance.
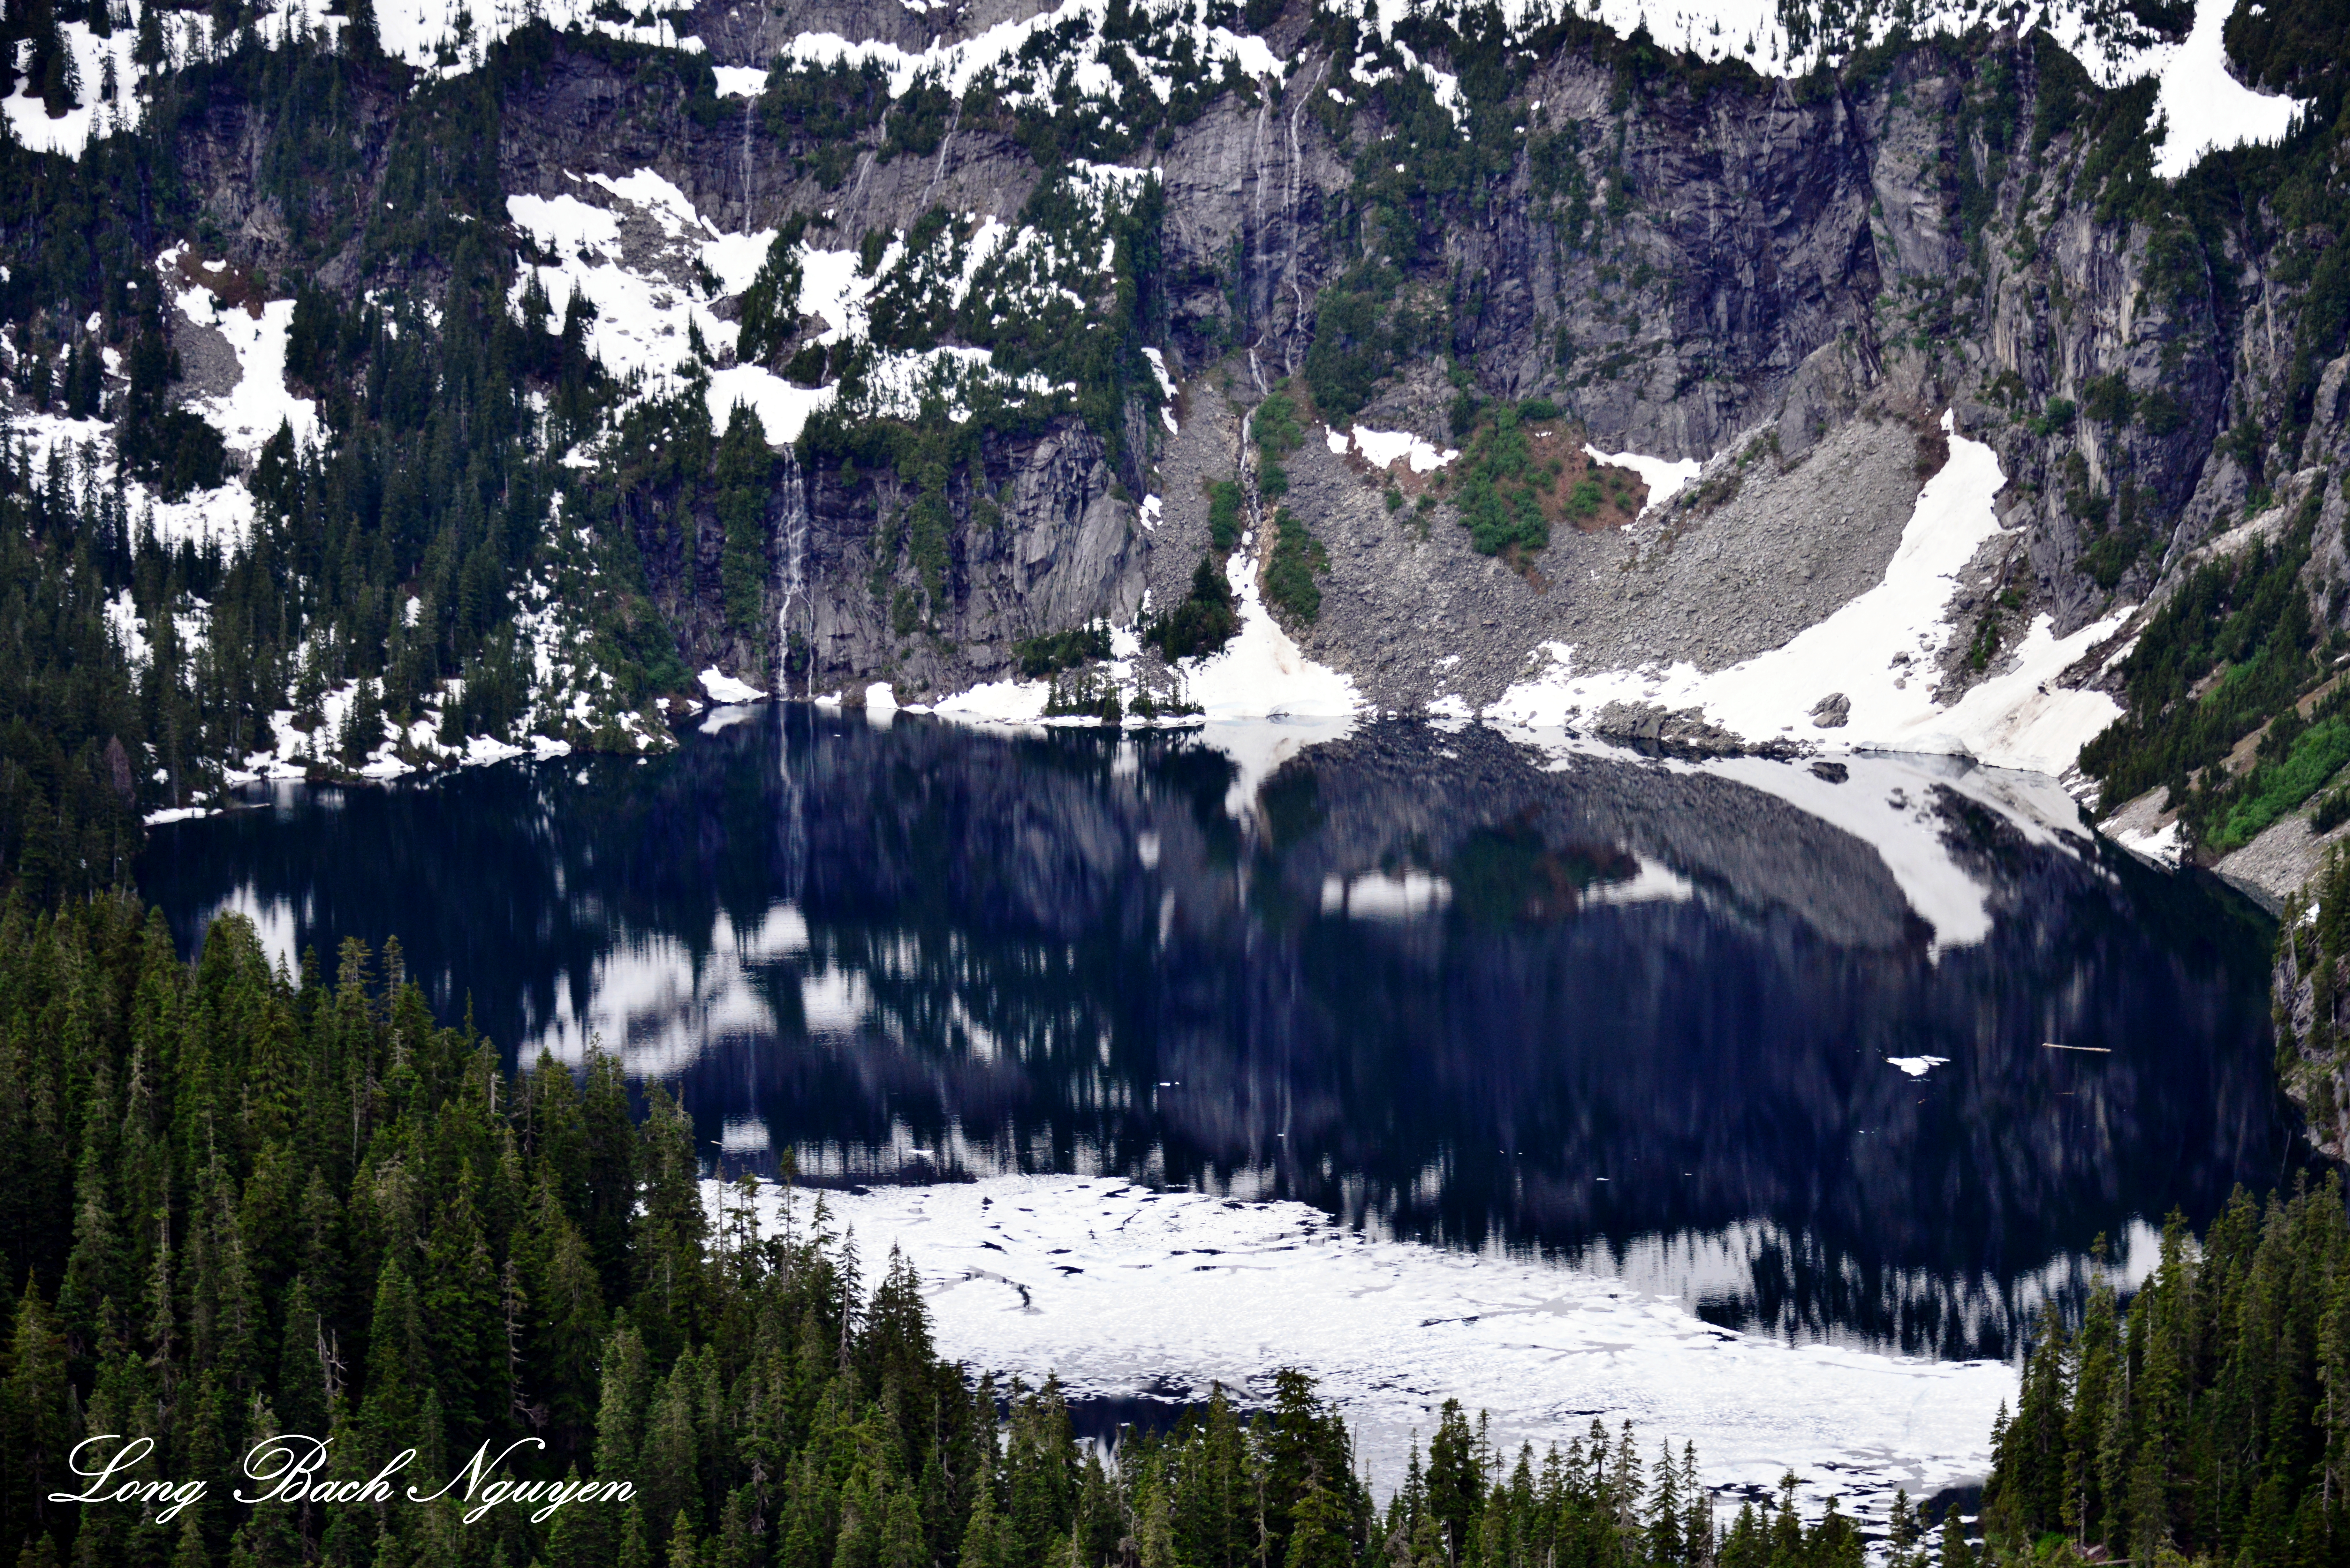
(1769, 1035)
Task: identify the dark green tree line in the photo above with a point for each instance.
(237, 1202)
(2208, 1421)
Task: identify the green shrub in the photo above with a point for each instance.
(2274, 789)
(1203, 622)
(1224, 515)
(1297, 554)
(1058, 650)
(2055, 418)
(2107, 400)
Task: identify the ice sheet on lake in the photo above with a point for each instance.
(1124, 1293)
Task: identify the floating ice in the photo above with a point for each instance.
(1127, 1293)
(1918, 1066)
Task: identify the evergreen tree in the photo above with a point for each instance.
(743, 470)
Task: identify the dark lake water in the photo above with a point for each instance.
(1447, 984)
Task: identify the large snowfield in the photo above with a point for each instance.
(1880, 652)
(1124, 1292)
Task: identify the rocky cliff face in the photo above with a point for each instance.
(1689, 263)
(1426, 226)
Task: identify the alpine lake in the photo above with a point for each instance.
(1870, 1053)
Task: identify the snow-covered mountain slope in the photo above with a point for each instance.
(1843, 380)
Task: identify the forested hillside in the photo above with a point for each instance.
(238, 1205)
(2203, 1423)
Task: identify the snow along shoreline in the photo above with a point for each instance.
(1124, 1292)
(1880, 653)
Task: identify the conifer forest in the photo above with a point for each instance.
(1174, 784)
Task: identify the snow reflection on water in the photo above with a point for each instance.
(1645, 1017)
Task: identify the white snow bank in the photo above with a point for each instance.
(1382, 448)
(956, 65)
(998, 703)
(1127, 1293)
(28, 118)
(1166, 387)
(1664, 477)
(644, 323)
(2207, 109)
(565, 222)
(251, 411)
(724, 687)
(1879, 652)
(2164, 847)
(740, 81)
(1261, 673)
(222, 517)
(783, 407)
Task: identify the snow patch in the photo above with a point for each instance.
(2164, 847)
(254, 409)
(783, 407)
(2206, 108)
(724, 687)
(1166, 387)
(28, 118)
(957, 66)
(1664, 477)
(1381, 449)
(998, 703)
(1261, 673)
(1879, 652)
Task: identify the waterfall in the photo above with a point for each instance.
(1296, 166)
(954, 123)
(1248, 284)
(749, 106)
(791, 585)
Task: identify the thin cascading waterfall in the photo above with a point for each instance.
(1296, 169)
(748, 107)
(793, 585)
(1256, 272)
(954, 123)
